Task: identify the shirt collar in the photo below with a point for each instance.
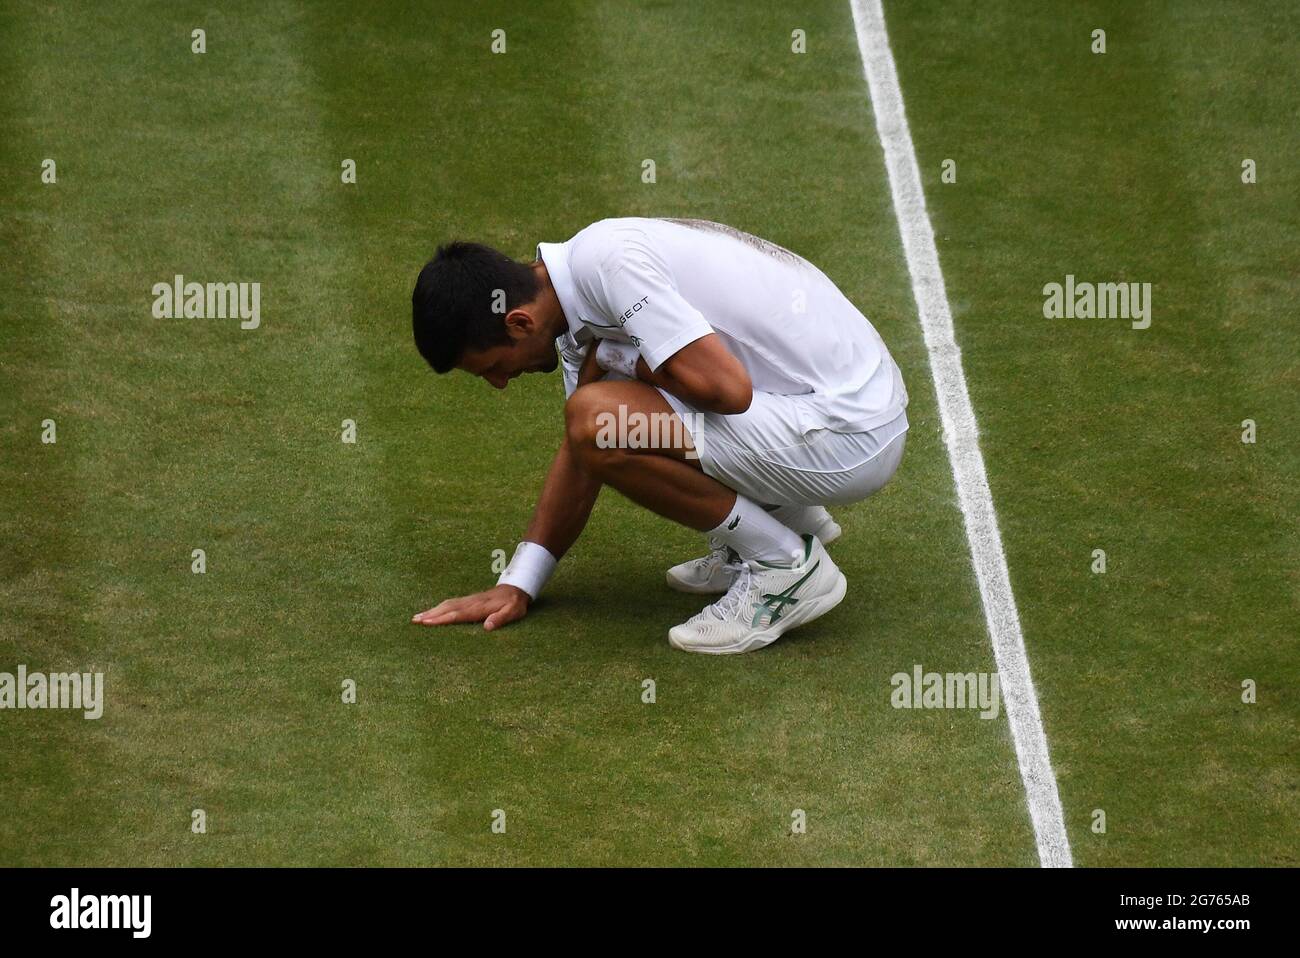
(556, 258)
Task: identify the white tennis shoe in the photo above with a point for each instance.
(763, 603)
(712, 574)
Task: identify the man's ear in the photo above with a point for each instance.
(520, 324)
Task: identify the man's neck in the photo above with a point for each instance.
(552, 312)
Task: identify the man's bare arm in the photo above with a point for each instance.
(562, 511)
(563, 508)
(703, 374)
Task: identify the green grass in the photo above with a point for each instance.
(1127, 166)
(224, 688)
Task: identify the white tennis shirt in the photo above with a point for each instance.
(662, 284)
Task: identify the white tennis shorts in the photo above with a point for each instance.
(765, 454)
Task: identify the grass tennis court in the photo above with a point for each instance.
(223, 689)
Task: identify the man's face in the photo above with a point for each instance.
(531, 353)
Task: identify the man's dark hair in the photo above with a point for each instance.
(451, 305)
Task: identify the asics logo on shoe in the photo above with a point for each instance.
(776, 603)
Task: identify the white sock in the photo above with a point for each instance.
(802, 519)
(756, 535)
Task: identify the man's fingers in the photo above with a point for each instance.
(492, 608)
(458, 611)
(428, 615)
(446, 613)
(438, 618)
(501, 617)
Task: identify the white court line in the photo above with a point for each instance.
(961, 434)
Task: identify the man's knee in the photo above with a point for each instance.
(584, 412)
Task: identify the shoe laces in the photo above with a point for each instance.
(717, 554)
(731, 603)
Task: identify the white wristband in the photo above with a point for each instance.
(616, 357)
(529, 568)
